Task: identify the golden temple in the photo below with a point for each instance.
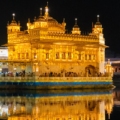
(46, 47)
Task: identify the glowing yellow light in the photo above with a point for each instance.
(14, 69)
(46, 9)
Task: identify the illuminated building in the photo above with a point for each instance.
(46, 57)
(46, 47)
(115, 62)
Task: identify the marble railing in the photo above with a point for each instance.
(72, 79)
(52, 79)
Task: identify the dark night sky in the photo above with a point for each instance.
(85, 10)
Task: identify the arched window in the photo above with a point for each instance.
(47, 55)
(89, 57)
(93, 57)
(63, 55)
(79, 56)
(34, 55)
(27, 55)
(18, 55)
(57, 55)
(85, 57)
(69, 55)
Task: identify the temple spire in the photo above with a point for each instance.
(46, 10)
(75, 21)
(97, 29)
(13, 16)
(63, 23)
(13, 20)
(40, 11)
(13, 26)
(98, 17)
(47, 3)
(76, 29)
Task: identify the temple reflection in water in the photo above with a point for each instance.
(56, 105)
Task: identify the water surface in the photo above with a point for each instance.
(59, 105)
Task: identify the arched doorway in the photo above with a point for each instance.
(90, 71)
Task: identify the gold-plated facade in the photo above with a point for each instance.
(46, 47)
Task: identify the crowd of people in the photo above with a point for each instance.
(52, 74)
(17, 74)
(71, 74)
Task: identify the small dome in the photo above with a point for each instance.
(98, 21)
(48, 19)
(13, 23)
(75, 26)
(76, 29)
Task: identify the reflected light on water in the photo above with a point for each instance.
(56, 105)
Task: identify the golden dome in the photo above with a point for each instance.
(76, 29)
(46, 16)
(13, 22)
(98, 22)
(46, 21)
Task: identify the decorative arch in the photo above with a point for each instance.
(90, 70)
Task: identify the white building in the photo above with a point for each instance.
(3, 56)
